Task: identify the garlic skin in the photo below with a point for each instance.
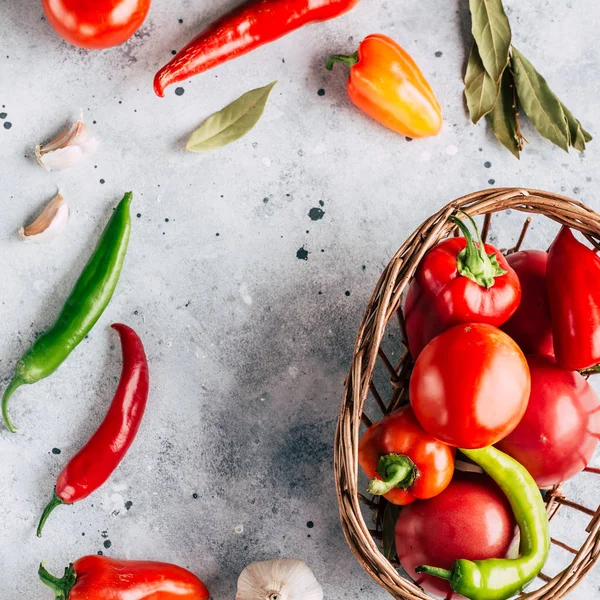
(283, 579)
(49, 224)
(67, 148)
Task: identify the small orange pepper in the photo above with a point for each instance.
(386, 83)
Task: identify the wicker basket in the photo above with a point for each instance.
(383, 312)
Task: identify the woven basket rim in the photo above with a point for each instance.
(384, 303)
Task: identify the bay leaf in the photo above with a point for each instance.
(230, 123)
(491, 30)
(539, 103)
(577, 135)
(390, 516)
(481, 90)
(503, 117)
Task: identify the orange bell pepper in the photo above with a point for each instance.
(386, 84)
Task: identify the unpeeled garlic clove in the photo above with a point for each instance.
(283, 579)
(50, 222)
(67, 148)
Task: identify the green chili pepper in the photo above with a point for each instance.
(83, 307)
(502, 578)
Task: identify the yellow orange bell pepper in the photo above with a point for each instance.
(386, 83)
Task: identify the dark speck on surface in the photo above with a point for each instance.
(179, 91)
(100, 553)
(321, 92)
(3, 115)
(491, 181)
(104, 534)
(107, 544)
(181, 20)
(139, 215)
(166, 220)
(102, 181)
(439, 53)
(195, 496)
(7, 125)
(265, 200)
(302, 253)
(173, 52)
(310, 524)
(487, 164)
(316, 214)
(347, 292)
(408, 139)
(55, 450)
(128, 505)
(321, 203)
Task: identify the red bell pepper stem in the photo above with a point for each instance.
(101, 455)
(396, 470)
(255, 23)
(473, 262)
(61, 587)
(347, 59)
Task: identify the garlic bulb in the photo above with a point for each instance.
(67, 148)
(50, 222)
(284, 579)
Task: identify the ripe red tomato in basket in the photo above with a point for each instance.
(557, 437)
(470, 386)
(530, 326)
(470, 519)
(96, 24)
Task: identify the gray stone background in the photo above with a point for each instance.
(248, 344)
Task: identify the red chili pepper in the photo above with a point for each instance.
(404, 460)
(101, 578)
(459, 281)
(246, 28)
(103, 452)
(574, 291)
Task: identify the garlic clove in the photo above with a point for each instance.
(283, 579)
(68, 148)
(49, 224)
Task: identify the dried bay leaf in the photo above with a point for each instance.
(481, 90)
(230, 123)
(539, 103)
(491, 30)
(503, 117)
(390, 516)
(577, 135)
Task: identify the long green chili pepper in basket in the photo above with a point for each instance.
(84, 306)
(502, 578)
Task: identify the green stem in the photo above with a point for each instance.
(396, 471)
(12, 386)
(61, 587)
(473, 262)
(56, 501)
(435, 571)
(348, 59)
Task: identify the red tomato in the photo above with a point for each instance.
(470, 386)
(557, 437)
(96, 24)
(470, 519)
(530, 326)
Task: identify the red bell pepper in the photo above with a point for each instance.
(255, 23)
(101, 455)
(101, 578)
(406, 463)
(574, 293)
(459, 281)
(530, 326)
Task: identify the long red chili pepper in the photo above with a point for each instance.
(103, 452)
(255, 23)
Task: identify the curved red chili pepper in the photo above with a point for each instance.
(247, 27)
(103, 452)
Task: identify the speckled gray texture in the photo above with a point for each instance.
(247, 275)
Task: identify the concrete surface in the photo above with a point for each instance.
(247, 275)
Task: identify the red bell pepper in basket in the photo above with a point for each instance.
(459, 281)
(95, 462)
(101, 578)
(255, 23)
(574, 292)
(406, 463)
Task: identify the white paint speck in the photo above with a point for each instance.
(266, 161)
(293, 371)
(239, 529)
(246, 297)
(451, 150)
(425, 156)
